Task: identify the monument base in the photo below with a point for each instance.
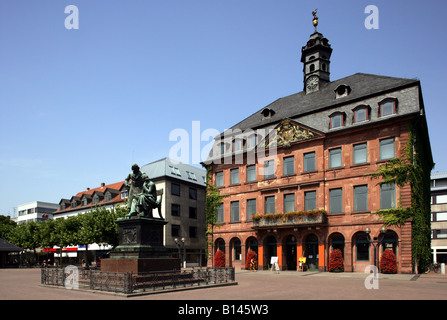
(140, 248)
(139, 265)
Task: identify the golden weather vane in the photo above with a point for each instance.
(315, 19)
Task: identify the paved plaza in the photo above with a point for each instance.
(24, 284)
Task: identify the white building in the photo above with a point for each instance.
(439, 216)
(36, 211)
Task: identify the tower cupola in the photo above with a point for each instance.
(315, 56)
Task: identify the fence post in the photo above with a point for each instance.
(127, 283)
(92, 280)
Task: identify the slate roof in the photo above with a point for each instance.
(168, 168)
(5, 246)
(299, 104)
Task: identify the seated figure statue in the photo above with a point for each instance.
(142, 195)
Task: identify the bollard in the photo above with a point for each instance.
(443, 268)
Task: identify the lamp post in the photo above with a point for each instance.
(180, 244)
(375, 242)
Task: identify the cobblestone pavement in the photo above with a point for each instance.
(24, 284)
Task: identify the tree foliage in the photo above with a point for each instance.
(95, 226)
(212, 201)
(6, 227)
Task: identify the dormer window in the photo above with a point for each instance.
(337, 120)
(73, 204)
(252, 141)
(175, 171)
(342, 91)
(97, 197)
(224, 147)
(387, 107)
(267, 112)
(361, 113)
(238, 144)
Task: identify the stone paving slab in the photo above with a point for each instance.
(24, 284)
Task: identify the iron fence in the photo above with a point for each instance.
(133, 283)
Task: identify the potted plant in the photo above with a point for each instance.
(388, 262)
(336, 261)
(219, 259)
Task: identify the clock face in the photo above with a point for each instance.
(312, 82)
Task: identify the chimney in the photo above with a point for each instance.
(88, 189)
(102, 184)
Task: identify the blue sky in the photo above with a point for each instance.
(78, 107)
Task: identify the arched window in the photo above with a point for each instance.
(237, 253)
(362, 247)
(219, 245)
(337, 241)
(390, 240)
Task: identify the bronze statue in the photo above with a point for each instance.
(142, 194)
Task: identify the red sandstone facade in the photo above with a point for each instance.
(327, 141)
(309, 240)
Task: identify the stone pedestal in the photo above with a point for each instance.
(140, 248)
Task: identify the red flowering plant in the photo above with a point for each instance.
(315, 213)
(291, 214)
(252, 260)
(388, 262)
(219, 259)
(336, 261)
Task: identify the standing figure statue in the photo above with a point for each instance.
(142, 194)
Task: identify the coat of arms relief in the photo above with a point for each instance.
(287, 133)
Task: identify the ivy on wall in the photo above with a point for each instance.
(413, 167)
(213, 200)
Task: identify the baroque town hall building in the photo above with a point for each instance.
(297, 173)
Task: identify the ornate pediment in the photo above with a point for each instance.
(289, 132)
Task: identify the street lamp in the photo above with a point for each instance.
(375, 242)
(180, 244)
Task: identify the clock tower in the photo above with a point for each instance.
(316, 59)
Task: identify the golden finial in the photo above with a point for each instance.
(315, 20)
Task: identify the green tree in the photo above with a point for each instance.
(6, 227)
(99, 226)
(67, 230)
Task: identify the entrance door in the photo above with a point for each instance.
(312, 252)
(271, 249)
(291, 253)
